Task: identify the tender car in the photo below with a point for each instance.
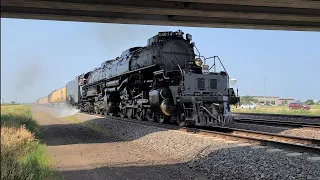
(299, 105)
(248, 106)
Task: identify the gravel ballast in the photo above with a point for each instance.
(250, 162)
(218, 158)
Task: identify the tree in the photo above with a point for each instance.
(310, 102)
(12, 102)
(255, 101)
(246, 100)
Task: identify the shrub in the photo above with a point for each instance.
(22, 155)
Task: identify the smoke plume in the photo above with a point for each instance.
(119, 37)
(28, 76)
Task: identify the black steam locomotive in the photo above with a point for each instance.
(163, 81)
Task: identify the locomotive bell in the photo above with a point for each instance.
(198, 62)
(189, 37)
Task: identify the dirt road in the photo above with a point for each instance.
(82, 153)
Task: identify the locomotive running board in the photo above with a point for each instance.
(129, 72)
(159, 73)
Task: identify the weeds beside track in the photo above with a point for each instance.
(23, 156)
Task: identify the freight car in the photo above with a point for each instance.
(162, 81)
(58, 96)
(43, 100)
(55, 98)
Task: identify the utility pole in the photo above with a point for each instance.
(264, 88)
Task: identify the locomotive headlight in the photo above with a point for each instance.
(198, 62)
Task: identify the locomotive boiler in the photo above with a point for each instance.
(164, 81)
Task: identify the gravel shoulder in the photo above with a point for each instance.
(82, 152)
(192, 154)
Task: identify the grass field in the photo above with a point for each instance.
(8, 104)
(314, 110)
(23, 156)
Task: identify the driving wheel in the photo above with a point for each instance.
(130, 112)
(150, 115)
(140, 114)
(180, 121)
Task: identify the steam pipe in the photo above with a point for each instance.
(112, 83)
(113, 89)
(122, 83)
(110, 89)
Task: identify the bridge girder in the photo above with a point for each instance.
(301, 15)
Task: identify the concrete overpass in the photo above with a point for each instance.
(299, 15)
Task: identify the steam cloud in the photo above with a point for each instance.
(65, 110)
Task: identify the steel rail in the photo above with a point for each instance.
(280, 115)
(277, 122)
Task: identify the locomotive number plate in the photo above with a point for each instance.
(167, 34)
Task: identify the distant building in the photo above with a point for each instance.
(273, 100)
(285, 101)
(267, 99)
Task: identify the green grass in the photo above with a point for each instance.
(16, 110)
(315, 106)
(314, 110)
(9, 104)
(23, 156)
(37, 163)
(19, 115)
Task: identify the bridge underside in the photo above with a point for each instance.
(302, 15)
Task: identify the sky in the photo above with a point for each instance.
(39, 56)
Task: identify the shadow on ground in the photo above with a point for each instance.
(241, 163)
(63, 134)
(154, 172)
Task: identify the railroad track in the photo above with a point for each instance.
(278, 115)
(261, 138)
(278, 123)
